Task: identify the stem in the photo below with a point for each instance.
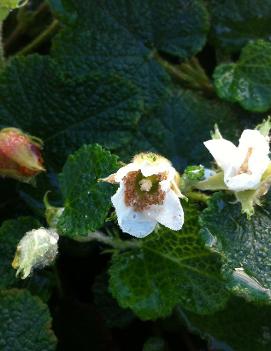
(43, 37)
(197, 196)
(107, 240)
(189, 72)
(2, 57)
(22, 27)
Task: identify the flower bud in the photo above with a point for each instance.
(52, 213)
(37, 249)
(20, 155)
(194, 173)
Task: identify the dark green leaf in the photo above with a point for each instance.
(113, 49)
(127, 36)
(177, 26)
(66, 113)
(244, 245)
(247, 81)
(178, 128)
(168, 268)
(63, 10)
(239, 327)
(86, 200)
(236, 22)
(25, 322)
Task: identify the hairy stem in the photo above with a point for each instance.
(42, 38)
(198, 196)
(190, 73)
(110, 241)
(21, 27)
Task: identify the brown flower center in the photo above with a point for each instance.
(142, 192)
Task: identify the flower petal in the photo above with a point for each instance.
(252, 138)
(252, 155)
(259, 145)
(223, 151)
(130, 221)
(122, 172)
(148, 169)
(258, 163)
(170, 214)
(242, 182)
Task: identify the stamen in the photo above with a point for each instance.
(244, 165)
(145, 184)
(141, 193)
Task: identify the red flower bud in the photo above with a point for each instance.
(20, 155)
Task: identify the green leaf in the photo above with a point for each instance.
(80, 51)
(240, 327)
(178, 128)
(127, 36)
(63, 10)
(243, 244)
(177, 27)
(25, 322)
(86, 200)
(11, 232)
(236, 22)
(37, 97)
(247, 81)
(4, 11)
(168, 268)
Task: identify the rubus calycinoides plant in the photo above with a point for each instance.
(135, 175)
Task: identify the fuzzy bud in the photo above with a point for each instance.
(37, 249)
(20, 155)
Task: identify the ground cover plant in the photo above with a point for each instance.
(135, 175)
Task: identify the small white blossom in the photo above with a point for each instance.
(245, 164)
(148, 194)
(38, 248)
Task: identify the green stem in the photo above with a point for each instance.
(2, 56)
(23, 26)
(113, 242)
(197, 196)
(39, 40)
(190, 73)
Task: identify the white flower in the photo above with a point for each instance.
(243, 166)
(148, 193)
(38, 248)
